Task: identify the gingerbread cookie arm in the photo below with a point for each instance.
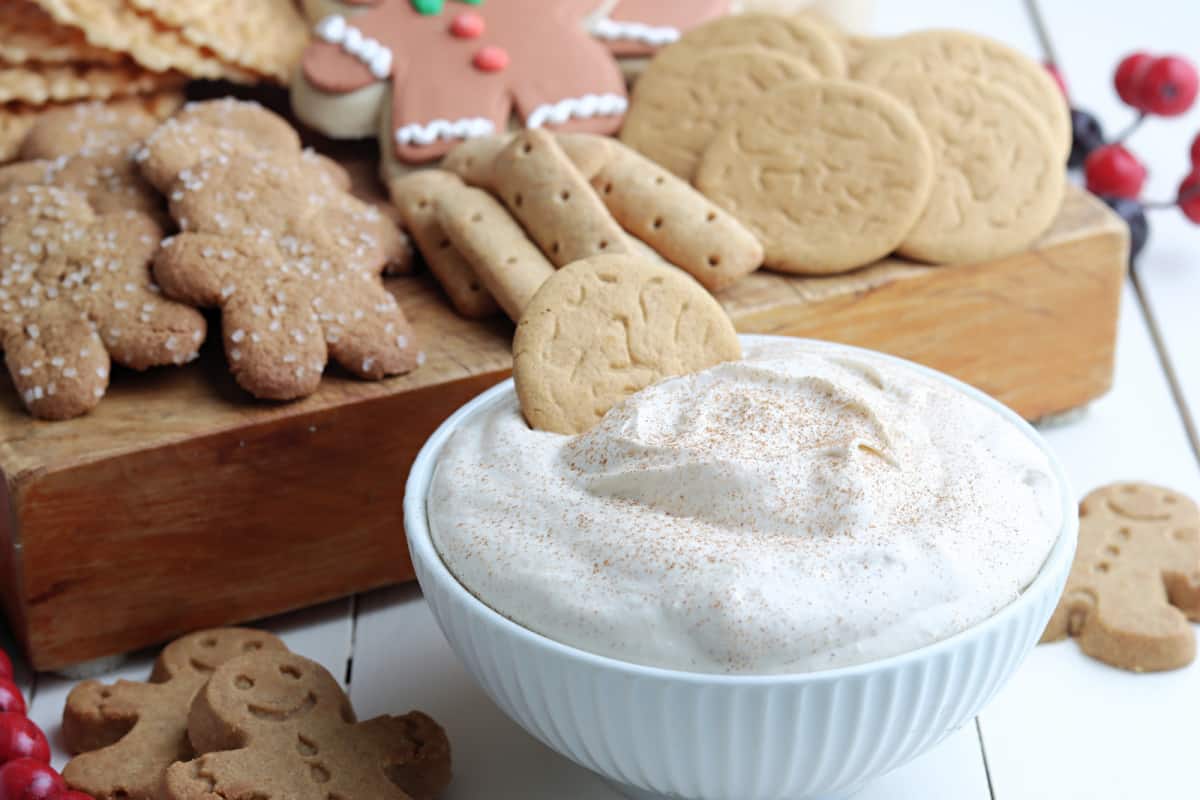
(24, 173)
(198, 268)
(57, 362)
(418, 753)
(328, 67)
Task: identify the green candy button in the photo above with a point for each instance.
(432, 7)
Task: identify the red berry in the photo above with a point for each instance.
(1056, 73)
(1113, 171)
(21, 738)
(10, 697)
(6, 668)
(26, 779)
(1129, 75)
(1196, 152)
(1189, 196)
(1169, 86)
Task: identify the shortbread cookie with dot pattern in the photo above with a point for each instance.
(829, 175)
(938, 53)
(75, 291)
(1135, 583)
(998, 175)
(605, 327)
(680, 102)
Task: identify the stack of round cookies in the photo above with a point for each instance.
(836, 151)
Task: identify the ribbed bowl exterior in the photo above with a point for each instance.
(713, 737)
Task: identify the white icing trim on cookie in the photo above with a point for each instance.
(613, 30)
(465, 128)
(371, 52)
(586, 107)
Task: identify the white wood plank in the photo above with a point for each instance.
(322, 633)
(1169, 268)
(1070, 727)
(401, 661)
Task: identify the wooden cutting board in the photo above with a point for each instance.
(181, 502)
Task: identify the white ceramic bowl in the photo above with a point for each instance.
(663, 733)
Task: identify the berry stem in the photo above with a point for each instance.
(1041, 31)
(1131, 128)
(1154, 205)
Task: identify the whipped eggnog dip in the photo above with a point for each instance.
(802, 509)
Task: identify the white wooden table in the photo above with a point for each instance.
(1065, 727)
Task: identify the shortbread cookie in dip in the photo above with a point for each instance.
(805, 508)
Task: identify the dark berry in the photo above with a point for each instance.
(1113, 170)
(1169, 86)
(1129, 75)
(1135, 217)
(1188, 196)
(1087, 135)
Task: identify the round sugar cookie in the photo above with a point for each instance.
(603, 328)
(998, 175)
(829, 175)
(936, 52)
(685, 95)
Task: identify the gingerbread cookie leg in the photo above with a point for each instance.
(58, 365)
(416, 197)
(676, 220)
(508, 264)
(553, 200)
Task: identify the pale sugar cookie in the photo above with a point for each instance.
(829, 175)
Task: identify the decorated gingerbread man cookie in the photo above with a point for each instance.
(431, 74)
(127, 733)
(275, 725)
(642, 27)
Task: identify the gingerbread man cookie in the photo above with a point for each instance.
(457, 71)
(76, 291)
(276, 725)
(1135, 582)
(271, 237)
(127, 734)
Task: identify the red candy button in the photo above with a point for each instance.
(21, 738)
(491, 59)
(467, 26)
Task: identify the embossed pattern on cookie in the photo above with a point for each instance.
(935, 53)
(605, 327)
(685, 95)
(998, 179)
(829, 175)
(1135, 582)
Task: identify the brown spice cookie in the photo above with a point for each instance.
(125, 735)
(276, 725)
(685, 96)
(605, 327)
(76, 290)
(830, 175)
(937, 53)
(797, 36)
(1135, 582)
(88, 148)
(998, 177)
